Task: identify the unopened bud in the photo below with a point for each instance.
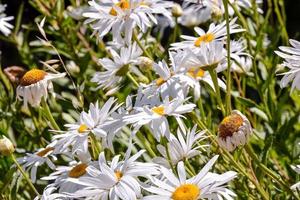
(6, 146)
(145, 63)
(176, 10)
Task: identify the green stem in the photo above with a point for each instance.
(214, 78)
(128, 74)
(135, 38)
(95, 145)
(227, 155)
(164, 141)
(146, 144)
(175, 30)
(228, 86)
(267, 171)
(49, 115)
(24, 175)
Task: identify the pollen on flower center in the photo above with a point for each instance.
(196, 73)
(204, 38)
(123, 4)
(42, 153)
(118, 175)
(160, 81)
(82, 128)
(78, 170)
(32, 76)
(186, 192)
(160, 110)
(230, 125)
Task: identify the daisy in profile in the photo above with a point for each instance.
(5, 27)
(208, 57)
(116, 179)
(182, 147)
(122, 16)
(291, 56)
(214, 33)
(33, 160)
(204, 185)
(34, 86)
(117, 67)
(234, 131)
(62, 174)
(155, 116)
(96, 121)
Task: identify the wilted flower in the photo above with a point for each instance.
(234, 130)
(34, 85)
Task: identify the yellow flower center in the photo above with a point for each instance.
(32, 76)
(78, 170)
(204, 38)
(160, 81)
(82, 128)
(160, 110)
(230, 125)
(42, 153)
(196, 73)
(118, 175)
(186, 192)
(123, 4)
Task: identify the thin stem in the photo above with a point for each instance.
(175, 30)
(95, 145)
(49, 115)
(214, 78)
(135, 38)
(267, 171)
(24, 175)
(228, 86)
(146, 144)
(128, 74)
(165, 143)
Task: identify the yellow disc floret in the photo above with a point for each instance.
(118, 175)
(32, 76)
(196, 73)
(186, 192)
(78, 170)
(204, 38)
(82, 128)
(160, 110)
(123, 4)
(230, 125)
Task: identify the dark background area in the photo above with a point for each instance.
(9, 52)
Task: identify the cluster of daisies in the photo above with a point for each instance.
(146, 116)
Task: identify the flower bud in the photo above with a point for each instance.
(176, 10)
(6, 146)
(145, 63)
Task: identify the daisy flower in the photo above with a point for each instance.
(203, 185)
(62, 175)
(5, 27)
(208, 56)
(234, 130)
(34, 85)
(122, 16)
(33, 160)
(96, 121)
(117, 67)
(291, 56)
(115, 180)
(182, 147)
(297, 185)
(156, 116)
(214, 33)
